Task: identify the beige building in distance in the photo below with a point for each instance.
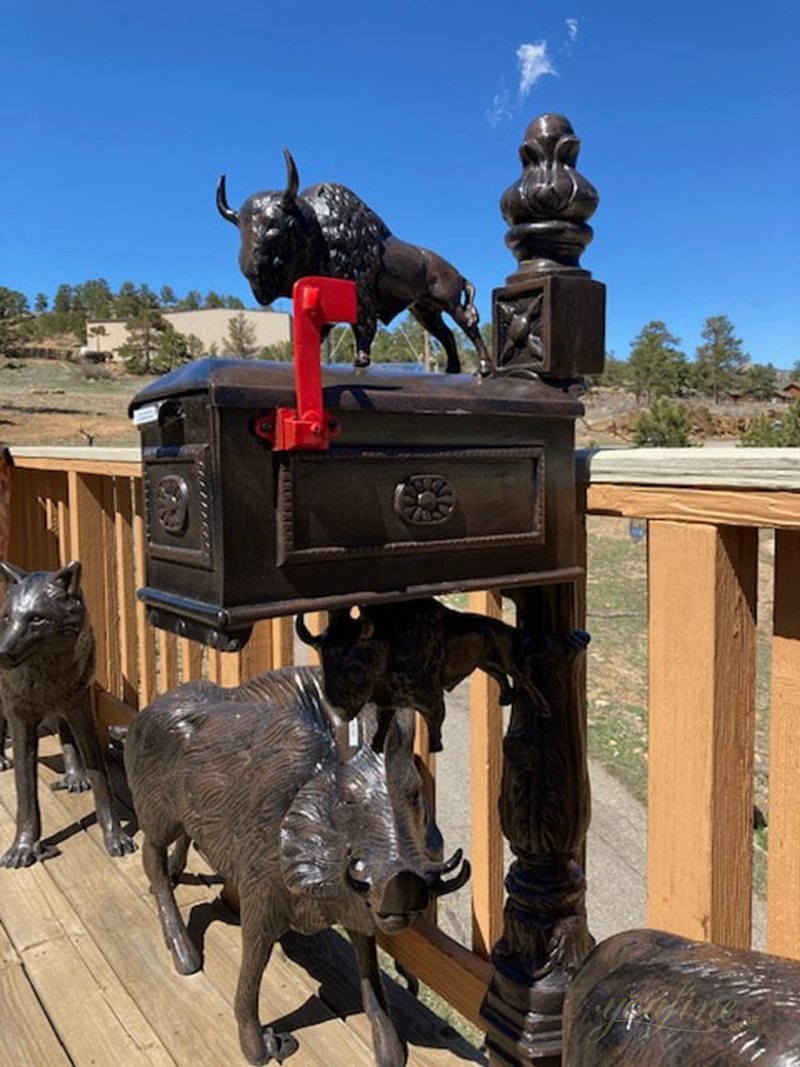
(210, 326)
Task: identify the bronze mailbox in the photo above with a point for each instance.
(432, 483)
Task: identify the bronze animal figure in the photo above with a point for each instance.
(655, 999)
(47, 655)
(327, 230)
(410, 653)
(310, 834)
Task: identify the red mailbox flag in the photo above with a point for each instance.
(316, 303)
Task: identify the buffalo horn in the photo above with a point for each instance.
(306, 635)
(292, 178)
(222, 203)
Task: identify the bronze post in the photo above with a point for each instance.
(549, 324)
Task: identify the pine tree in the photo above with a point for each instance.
(664, 425)
(241, 335)
(721, 361)
(760, 381)
(15, 320)
(145, 333)
(766, 432)
(656, 365)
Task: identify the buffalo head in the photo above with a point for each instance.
(280, 235)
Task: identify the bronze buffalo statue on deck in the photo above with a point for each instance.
(410, 653)
(261, 778)
(327, 230)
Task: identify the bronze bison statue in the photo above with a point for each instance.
(410, 653)
(327, 230)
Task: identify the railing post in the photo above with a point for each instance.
(783, 887)
(544, 809)
(701, 731)
(5, 501)
(486, 741)
(89, 544)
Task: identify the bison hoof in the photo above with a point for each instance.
(118, 843)
(5, 763)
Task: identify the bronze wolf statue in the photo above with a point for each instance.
(47, 656)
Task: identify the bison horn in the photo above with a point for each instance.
(306, 635)
(222, 203)
(292, 178)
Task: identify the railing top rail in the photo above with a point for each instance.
(83, 459)
(776, 469)
(131, 454)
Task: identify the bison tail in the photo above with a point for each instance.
(468, 303)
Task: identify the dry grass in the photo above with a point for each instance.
(49, 402)
(617, 683)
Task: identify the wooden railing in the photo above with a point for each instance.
(86, 504)
(704, 509)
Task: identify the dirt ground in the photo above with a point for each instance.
(52, 402)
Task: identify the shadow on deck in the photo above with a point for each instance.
(85, 978)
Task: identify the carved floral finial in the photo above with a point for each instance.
(548, 207)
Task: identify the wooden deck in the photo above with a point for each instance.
(85, 978)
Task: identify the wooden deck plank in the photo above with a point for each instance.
(329, 957)
(27, 1038)
(98, 913)
(70, 974)
(286, 988)
(191, 1018)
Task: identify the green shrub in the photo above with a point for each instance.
(663, 425)
(767, 432)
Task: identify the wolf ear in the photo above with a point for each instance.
(11, 573)
(68, 578)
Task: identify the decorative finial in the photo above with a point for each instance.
(549, 317)
(548, 207)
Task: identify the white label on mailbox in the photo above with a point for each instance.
(146, 414)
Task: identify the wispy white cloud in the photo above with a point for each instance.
(573, 27)
(501, 108)
(534, 63)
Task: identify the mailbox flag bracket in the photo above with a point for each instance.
(317, 302)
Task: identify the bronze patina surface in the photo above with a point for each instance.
(47, 658)
(328, 230)
(310, 829)
(434, 483)
(654, 999)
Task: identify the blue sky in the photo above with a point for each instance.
(117, 122)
